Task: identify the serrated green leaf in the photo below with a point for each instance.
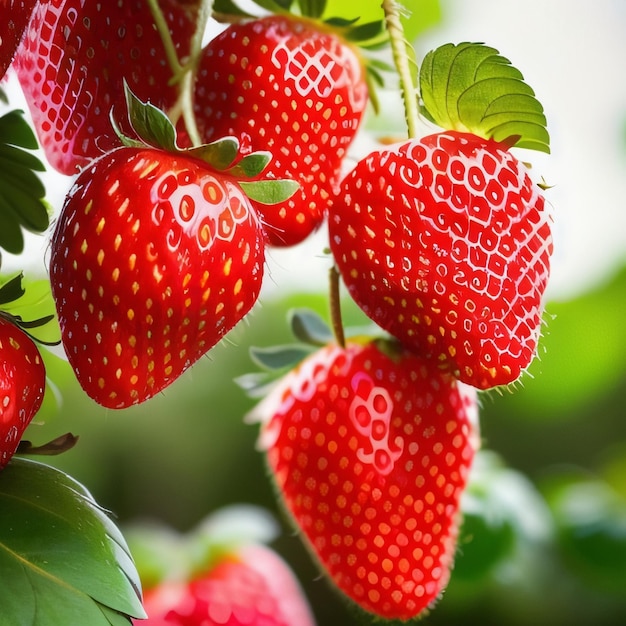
(28, 210)
(15, 130)
(11, 237)
(63, 555)
(310, 328)
(18, 156)
(251, 165)
(21, 177)
(279, 357)
(218, 154)
(269, 191)
(470, 87)
(149, 122)
(313, 8)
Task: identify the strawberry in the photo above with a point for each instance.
(155, 257)
(445, 242)
(370, 447)
(15, 17)
(73, 63)
(22, 386)
(252, 586)
(293, 87)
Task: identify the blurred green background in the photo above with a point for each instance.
(544, 539)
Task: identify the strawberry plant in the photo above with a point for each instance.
(192, 158)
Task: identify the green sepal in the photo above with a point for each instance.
(63, 560)
(151, 124)
(12, 289)
(282, 357)
(470, 87)
(3, 96)
(310, 328)
(33, 302)
(251, 165)
(220, 154)
(269, 191)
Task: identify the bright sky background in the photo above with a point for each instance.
(573, 54)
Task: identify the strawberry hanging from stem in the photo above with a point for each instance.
(157, 254)
(445, 241)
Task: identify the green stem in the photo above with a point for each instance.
(166, 37)
(183, 74)
(335, 307)
(403, 60)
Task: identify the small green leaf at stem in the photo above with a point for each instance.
(279, 357)
(310, 328)
(218, 154)
(150, 123)
(269, 191)
(251, 165)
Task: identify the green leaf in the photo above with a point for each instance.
(15, 131)
(279, 357)
(218, 154)
(149, 122)
(269, 191)
(310, 328)
(470, 87)
(62, 560)
(22, 203)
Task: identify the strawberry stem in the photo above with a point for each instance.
(183, 74)
(166, 38)
(403, 58)
(335, 307)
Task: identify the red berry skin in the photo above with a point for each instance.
(154, 259)
(283, 84)
(445, 242)
(15, 17)
(22, 386)
(253, 587)
(371, 452)
(73, 62)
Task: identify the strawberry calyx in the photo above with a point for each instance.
(153, 128)
(12, 290)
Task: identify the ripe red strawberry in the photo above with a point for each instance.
(154, 259)
(22, 386)
(253, 587)
(445, 242)
(15, 17)
(370, 447)
(290, 86)
(73, 62)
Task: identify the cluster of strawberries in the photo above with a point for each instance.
(159, 251)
